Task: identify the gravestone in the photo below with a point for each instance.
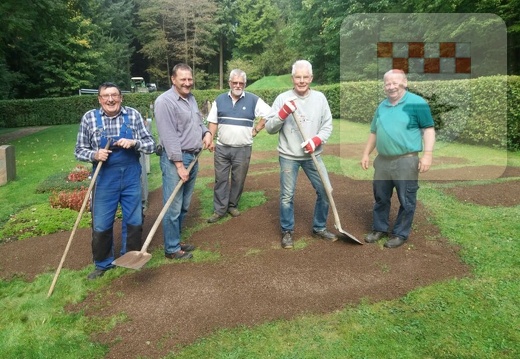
(7, 164)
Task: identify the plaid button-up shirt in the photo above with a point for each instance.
(89, 135)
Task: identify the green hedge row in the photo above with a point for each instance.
(478, 111)
(482, 111)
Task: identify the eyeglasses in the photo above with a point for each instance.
(114, 96)
(302, 78)
(236, 83)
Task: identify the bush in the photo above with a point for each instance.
(69, 199)
(59, 182)
(468, 111)
(78, 174)
(482, 111)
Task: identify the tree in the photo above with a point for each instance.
(256, 26)
(176, 31)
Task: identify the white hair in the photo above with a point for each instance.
(239, 73)
(302, 63)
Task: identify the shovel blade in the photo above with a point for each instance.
(350, 236)
(133, 260)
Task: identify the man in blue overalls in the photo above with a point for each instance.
(119, 179)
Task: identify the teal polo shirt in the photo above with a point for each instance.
(398, 128)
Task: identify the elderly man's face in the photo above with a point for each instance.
(301, 79)
(395, 86)
(237, 84)
(110, 100)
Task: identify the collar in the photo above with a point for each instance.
(241, 96)
(178, 96)
(122, 110)
(401, 100)
(302, 97)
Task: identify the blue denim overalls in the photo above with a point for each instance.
(118, 182)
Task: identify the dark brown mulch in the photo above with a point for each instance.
(255, 281)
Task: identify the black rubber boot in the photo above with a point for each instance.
(133, 237)
(101, 244)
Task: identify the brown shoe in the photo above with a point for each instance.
(287, 241)
(395, 242)
(98, 273)
(324, 234)
(186, 247)
(375, 236)
(215, 217)
(179, 255)
(234, 212)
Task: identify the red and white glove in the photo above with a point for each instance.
(310, 145)
(287, 108)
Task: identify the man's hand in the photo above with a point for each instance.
(125, 143)
(182, 171)
(207, 142)
(425, 161)
(101, 155)
(310, 145)
(365, 161)
(287, 108)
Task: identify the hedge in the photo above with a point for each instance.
(468, 111)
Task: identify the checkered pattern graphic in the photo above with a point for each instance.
(425, 57)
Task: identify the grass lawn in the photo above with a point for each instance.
(271, 82)
(474, 317)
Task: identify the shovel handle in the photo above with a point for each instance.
(166, 206)
(323, 178)
(78, 219)
(326, 183)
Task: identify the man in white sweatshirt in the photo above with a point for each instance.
(314, 112)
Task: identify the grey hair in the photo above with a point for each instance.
(395, 72)
(302, 63)
(237, 72)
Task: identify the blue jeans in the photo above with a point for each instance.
(402, 174)
(172, 221)
(288, 178)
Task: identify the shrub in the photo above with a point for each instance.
(78, 174)
(65, 181)
(69, 199)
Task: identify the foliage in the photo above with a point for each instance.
(282, 83)
(466, 111)
(69, 199)
(176, 31)
(483, 110)
(40, 220)
(256, 26)
(478, 314)
(78, 174)
(54, 48)
(59, 182)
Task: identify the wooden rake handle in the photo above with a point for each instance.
(166, 206)
(78, 219)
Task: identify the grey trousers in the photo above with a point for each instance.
(231, 166)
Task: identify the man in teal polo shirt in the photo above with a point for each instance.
(400, 124)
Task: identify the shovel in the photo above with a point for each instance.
(337, 223)
(78, 219)
(137, 259)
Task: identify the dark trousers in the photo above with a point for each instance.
(231, 167)
(402, 174)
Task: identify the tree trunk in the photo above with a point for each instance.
(221, 63)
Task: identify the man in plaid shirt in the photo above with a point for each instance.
(119, 179)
